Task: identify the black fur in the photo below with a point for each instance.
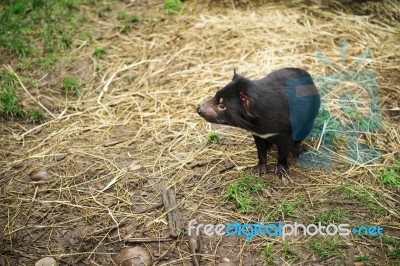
(262, 107)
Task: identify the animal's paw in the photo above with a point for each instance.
(282, 171)
(259, 169)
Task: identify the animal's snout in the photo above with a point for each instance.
(200, 111)
(208, 111)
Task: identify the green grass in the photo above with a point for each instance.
(289, 253)
(394, 254)
(173, 7)
(38, 27)
(133, 18)
(13, 28)
(121, 15)
(66, 40)
(390, 177)
(267, 252)
(326, 248)
(99, 52)
(387, 240)
(213, 138)
(332, 216)
(125, 19)
(36, 116)
(72, 85)
(362, 258)
(287, 208)
(365, 196)
(393, 245)
(283, 208)
(9, 104)
(241, 193)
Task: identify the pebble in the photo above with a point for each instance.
(39, 175)
(46, 261)
(133, 256)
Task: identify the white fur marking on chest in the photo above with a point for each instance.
(265, 136)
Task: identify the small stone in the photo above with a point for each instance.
(60, 157)
(17, 165)
(46, 261)
(37, 130)
(132, 256)
(39, 175)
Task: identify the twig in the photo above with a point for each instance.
(156, 206)
(148, 239)
(174, 215)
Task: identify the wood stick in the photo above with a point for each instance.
(174, 215)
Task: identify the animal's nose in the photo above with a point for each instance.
(199, 110)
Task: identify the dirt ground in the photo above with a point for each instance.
(134, 132)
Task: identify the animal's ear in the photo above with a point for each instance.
(234, 74)
(244, 99)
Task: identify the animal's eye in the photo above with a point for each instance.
(221, 107)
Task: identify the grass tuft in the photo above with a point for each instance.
(213, 138)
(125, 19)
(331, 216)
(362, 258)
(289, 253)
(71, 84)
(283, 209)
(393, 245)
(390, 240)
(133, 18)
(390, 177)
(241, 192)
(9, 104)
(268, 258)
(36, 116)
(99, 53)
(121, 15)
(66, 40)
(173, 7)
(394, 254)
(286, 208)
(325, 249)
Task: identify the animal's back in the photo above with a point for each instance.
(290, 97)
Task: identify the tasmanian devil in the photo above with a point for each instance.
(278, 109)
